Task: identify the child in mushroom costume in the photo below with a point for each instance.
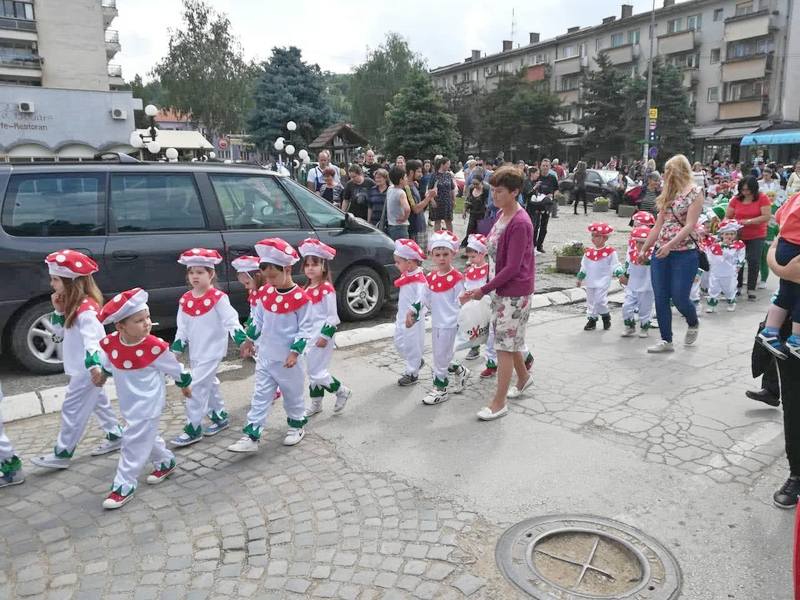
(725, 257)
(250, 277)
(76, 302)
(205, 319)
(281, 327)
(412, 285)
(324, 318)
(638, 287)
(598, 265)
(138, 361)
(10, 464)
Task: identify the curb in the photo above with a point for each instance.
(49, 400)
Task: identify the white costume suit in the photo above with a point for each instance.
(204, 323)
(410, 341)
(598, 266)
(281, 324)
(138, 373)
(81, 398)
(9, 462)
(441, 297)
(725, 262)
(638, 292)
(324, 320)
(474, 278)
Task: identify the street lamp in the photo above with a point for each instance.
(149, 141)
(171, 154)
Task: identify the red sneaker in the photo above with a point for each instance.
(160, 475)
(115, 500)
(488, 372)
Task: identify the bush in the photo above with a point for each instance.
(601, 201)
(570, 249)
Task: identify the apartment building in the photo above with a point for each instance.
(61, 94)
(740, 62)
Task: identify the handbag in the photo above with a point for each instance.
(702, 259)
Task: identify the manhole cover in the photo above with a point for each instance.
(571, 557)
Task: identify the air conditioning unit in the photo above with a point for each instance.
(119, 114)
(26, 107)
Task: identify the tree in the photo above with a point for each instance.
(463, 102)
(518, 116)
(204, 72)
(337, 93)
(289, 90)
(417, 122)
(151, 92)
(376, 81)
(603, 111)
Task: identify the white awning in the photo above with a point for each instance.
(703, 132)
(737, 133)
(178, 139)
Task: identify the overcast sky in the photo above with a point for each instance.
(336, 34)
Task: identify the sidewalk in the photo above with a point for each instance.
(393, 499)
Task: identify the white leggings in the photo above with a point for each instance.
(81, 399)
(206, 397)
(443, 342)
(140, 444)
(596, 301)
(410, 344)
(270, 375)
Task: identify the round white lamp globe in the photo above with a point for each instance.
(303, 154)
(278, 145)
(153, 147)
(291, 125)
(289, 149)
(212, 155)
(171, 154)
(150, 110)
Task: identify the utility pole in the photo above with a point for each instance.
(646, 146)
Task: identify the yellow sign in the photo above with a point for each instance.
(653, 113)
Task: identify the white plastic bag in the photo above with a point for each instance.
(473, 323)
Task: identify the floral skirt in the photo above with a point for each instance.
(510, 319)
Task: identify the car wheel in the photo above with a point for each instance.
(361, 294)
(33, 342)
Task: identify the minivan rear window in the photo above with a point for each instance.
(66, 204)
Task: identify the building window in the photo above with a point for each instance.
(714, 56)
(693, 22)
(617, 40)
(675, 25)
(539, 59)
(569, 83)
(567, 51)
(599, 44)
(713, 94)
(564, 114)
(16, 10)
(719, 14)
(745, 48)
(744, 8)
(633, 36)
(690, 60)
(744, 90)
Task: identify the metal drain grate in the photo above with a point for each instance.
(575, 557)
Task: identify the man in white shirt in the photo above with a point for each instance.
(315, 179)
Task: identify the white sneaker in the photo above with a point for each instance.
(661, 347)
(710, 309)
(460, 379)
(762, 285)
(643, 333)
(342, 396)
(245, 444)
(629, 331)
(315, 408)
(107, 446)
(691, 336)
(436, 396)
(293, 436)
(51, 461)
(515, 392)
(731, 307)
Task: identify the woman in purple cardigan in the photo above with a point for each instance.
(510, 246)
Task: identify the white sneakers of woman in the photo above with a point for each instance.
(515, 392)
(661, 347)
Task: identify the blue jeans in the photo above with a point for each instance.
(397, 231)
(672, 279)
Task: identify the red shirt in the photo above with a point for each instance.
(751, 210)
(788, 218)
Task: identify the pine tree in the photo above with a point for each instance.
(675, 116)
(417, 121)
(289, 90)
(603, 105)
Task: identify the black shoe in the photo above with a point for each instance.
(606, 322)
(786, 497)
(591, 324)
(764, 396)
(540, 249)
(407, 380)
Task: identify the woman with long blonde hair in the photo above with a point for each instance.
(675, 250)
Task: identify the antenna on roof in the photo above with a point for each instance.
(513, 24)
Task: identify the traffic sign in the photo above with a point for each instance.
(653, 114)
(222, 144)
(653, 152)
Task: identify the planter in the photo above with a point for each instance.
(626, 210)
(599, 207)
(568, 264)
(560, 198)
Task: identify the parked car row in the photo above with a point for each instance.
(599, 183)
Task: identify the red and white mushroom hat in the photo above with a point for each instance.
(200, 257)
(443, 239)
(729, 226)
(408, 249)
(123, 305)
(313, 247)
(277, 252)
(70, 264)
(642, 217)
(640, 233)
(477, 242)
(601, 228)
(246, 264)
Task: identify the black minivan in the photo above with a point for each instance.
(135, 218)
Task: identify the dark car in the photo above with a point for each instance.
(135, 219)
(599, 183)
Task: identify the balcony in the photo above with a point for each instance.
(568, 66)
(110, 11)
(21, 68)
(622, 55)
(114, 70)
(569, 96)
(18, 29)
(112, 43)
(743, 27)
(750, 67)
(690, 78)
(742, 109)
(537, 72)
(675, 43)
